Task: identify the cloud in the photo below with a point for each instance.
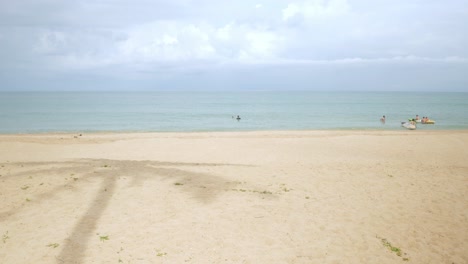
(341, 37)
(103, 37)
(167, 41)
(359, 61)
(315, 9)
(51, 42)
(160, 42)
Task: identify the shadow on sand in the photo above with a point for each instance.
(202, 187)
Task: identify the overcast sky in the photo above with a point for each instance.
(396, 45)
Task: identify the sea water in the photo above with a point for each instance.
(38, 112)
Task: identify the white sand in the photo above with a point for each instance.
(250, 197)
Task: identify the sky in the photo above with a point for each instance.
(135, 45)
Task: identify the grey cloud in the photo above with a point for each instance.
(163, 42)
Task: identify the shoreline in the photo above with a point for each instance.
(238, 131)
(114, 136)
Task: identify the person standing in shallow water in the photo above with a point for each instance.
(238, 118)
(382, 119)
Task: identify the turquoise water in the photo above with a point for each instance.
(212, 111)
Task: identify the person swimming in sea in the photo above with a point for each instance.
(382, 119)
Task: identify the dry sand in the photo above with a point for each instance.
(250, 197)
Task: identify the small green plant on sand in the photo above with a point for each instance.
(53, 245)
(178, 183)
(25, 187)
(161, 254)
(252, 191)
(392, 248)
(104, 238)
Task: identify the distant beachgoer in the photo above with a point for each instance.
(238, 118)
(417, 117)
(382, 119)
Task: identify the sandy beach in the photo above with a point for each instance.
(235, 197)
